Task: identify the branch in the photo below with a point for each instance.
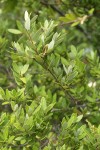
(62, 14)
(57, 81)
(53, 7)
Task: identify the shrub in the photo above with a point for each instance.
(54, 103)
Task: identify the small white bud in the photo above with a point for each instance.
(92, 84)
(27, 20)
(46, 24)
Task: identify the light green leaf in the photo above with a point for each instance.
(90, 99)
(43, 103)
(20, 26)
(5, 132)
(37, 110)
(49, 107)
(63, 147)
(18, 126)
(23, 80)
(28, 123)
(14, 31)
(75, 23)
(24, 69)
(16, 68)
(12, 118)
(22, 141)
(64, 61)
(68, 18)
(11, 139)
(39, 59)
(50, 46)
(8, 95)
(73, 50)
(72, 75)
(79, 118)
(65, 69)
(72, 120)
(5, 103)
(19, 138)
(91, 11)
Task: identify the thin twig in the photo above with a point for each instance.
(53, 7)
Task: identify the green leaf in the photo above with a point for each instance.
(72, 120)
(20, 26)
(43, 103)
(91, 11)
(28, 123)
(16, 68)
(12, 118)
(90, 99)
(5, 103)
(34, 19)
(19, 138)
(23, 80)
(63, 147)
(73, 50)
(82, 132)
(50, 46)
(14, 31)
(75, 24)
(49, 107)
(65, 69)
(8, 95)
(72, 76)
(14, 106)
(39, 59)
(64, 61)
(11, 138)
(2, 93)
(60, 39)
(23, 141)
(79, 118)
(71, 17)
(5, 133)
(24, 69)
(18, 126)
(37, 110)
